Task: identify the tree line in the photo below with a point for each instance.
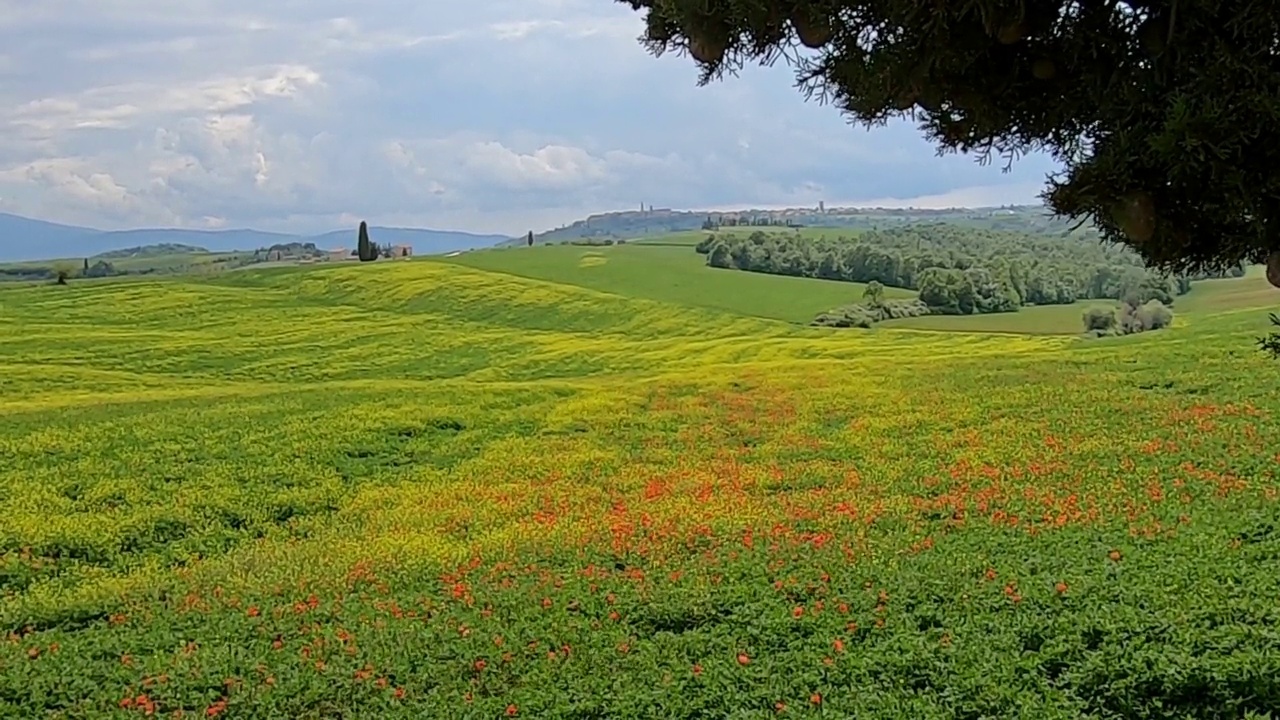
(959, 270)
(749, 221)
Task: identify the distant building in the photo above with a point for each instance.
(401, 251)
(338, 254)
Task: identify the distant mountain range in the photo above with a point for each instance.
(27, 239)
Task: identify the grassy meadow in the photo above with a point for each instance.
(673, 274)
(424, 489)
(160, 263)
(666, 269)
(1029, 320)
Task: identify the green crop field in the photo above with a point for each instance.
(141, 265)
(193, 262)
(673, 274)
(424, 490)
(1042, 320)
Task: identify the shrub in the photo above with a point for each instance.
(720, 256)
(1155, 315)
(848, 316)
(864, 316)
(1099, 319)
(1133, 318)
(894, 309)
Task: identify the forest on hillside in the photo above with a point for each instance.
(955, 269)
(647, 222)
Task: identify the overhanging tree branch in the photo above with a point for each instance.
(1165, 114)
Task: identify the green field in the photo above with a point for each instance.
(159, 263)
(1221, 296)
(189, 262)
(424, 490)
(672, 274)
(1043, 320)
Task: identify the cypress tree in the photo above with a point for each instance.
(530, 238)
(363, 246)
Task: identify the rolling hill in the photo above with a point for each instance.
(420, 490)
(648, 223)
(24, 239)
(666, 269)
(675, 275)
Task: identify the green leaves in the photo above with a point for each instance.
(1271, 343)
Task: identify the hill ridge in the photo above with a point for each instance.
(641, 223)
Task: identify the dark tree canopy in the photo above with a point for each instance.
(959, 270)
(1165, 114)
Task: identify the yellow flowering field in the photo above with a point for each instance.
(418, 490)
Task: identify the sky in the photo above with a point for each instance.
(492, 116)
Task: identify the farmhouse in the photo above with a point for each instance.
(401, 251)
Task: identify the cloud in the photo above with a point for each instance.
(82, 184)
(126, 106)
(493, 116)
(476, 165)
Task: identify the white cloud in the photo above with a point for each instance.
(120, 51)
(127, 105)
(550, 167)
(494, 115)
(80, 183)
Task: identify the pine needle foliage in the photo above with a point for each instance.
(1164, 114)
